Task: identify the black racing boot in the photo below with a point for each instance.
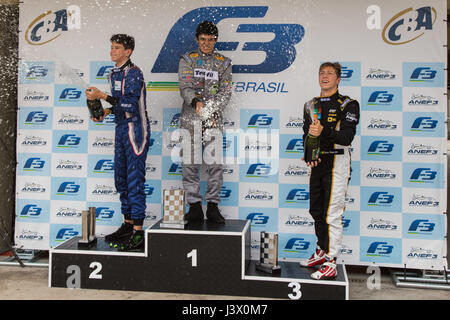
(213, 213)
(135, 242)
(195, 214)
(125, 230)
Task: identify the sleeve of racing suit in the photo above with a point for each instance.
(186, 81)
(347, 127)
(129, 101)
(223, 96)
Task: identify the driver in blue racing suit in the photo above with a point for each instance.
(132, 135)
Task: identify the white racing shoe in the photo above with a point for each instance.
(327, 271)
(317, 258)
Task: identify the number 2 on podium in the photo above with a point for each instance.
(193, 256)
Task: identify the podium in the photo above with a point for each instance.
(202, 259)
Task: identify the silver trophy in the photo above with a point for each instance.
(268, 261)
(88, 237)
(173, 209)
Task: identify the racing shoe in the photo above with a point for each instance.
(317, 258)
(195, 214)
(327, 271)
(125, 230)
(213, 213)
(135, 242)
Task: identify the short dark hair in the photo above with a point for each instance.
(124, 39)
(335, 65)
(207, 27)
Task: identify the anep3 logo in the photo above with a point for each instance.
(408, 25)
(280, 51)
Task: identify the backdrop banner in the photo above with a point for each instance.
(394, 59)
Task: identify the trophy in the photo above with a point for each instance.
(268, 253)
(88, 237)
(312, 143)
(173, 209)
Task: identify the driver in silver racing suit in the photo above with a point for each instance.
(205, 86)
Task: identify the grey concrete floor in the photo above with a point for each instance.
(31, 283)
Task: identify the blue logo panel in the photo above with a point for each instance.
(350, 223)
(259, 119)
(32, 72)
(171, 119)
(34, 164)
(230, 145)
(293, 196)
(99, 71)
(60, 233)
(296, 246)
(155, 148)
(419, 124)
(65, 141)
(355, 179)
(108, 123)
(350, 74)
(423, 74)
(67, 95)
(101, 166)
(229, 193)
(107, 213)
(262, 219)
(381, 250)
(424, 175)
(420, 226)
(291, 146)
(381, 148)
(259, 171)
(33, 211)
(381, 199)
(35, 118)
(72, 189)
(171, 170)
(153, 191)
(381, 99)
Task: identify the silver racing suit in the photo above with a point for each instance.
(206, 78)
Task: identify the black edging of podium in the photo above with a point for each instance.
(201, 259)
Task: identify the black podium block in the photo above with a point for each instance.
(200, 259)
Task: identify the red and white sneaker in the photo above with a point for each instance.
(317, 258)
(327, 271)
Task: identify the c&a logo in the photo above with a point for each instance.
(50, 25)
(408, 25)
(280, 52)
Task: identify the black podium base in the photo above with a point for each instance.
(200, 259)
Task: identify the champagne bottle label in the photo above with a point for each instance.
(312, 143)
(312, 148)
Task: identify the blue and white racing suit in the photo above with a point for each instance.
(132, 137)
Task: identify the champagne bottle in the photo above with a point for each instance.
(312, 144)
(95, 108)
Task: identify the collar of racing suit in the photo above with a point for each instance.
(123, 66)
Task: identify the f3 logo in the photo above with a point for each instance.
(280, 52)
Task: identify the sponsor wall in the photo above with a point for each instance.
(394, 62)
